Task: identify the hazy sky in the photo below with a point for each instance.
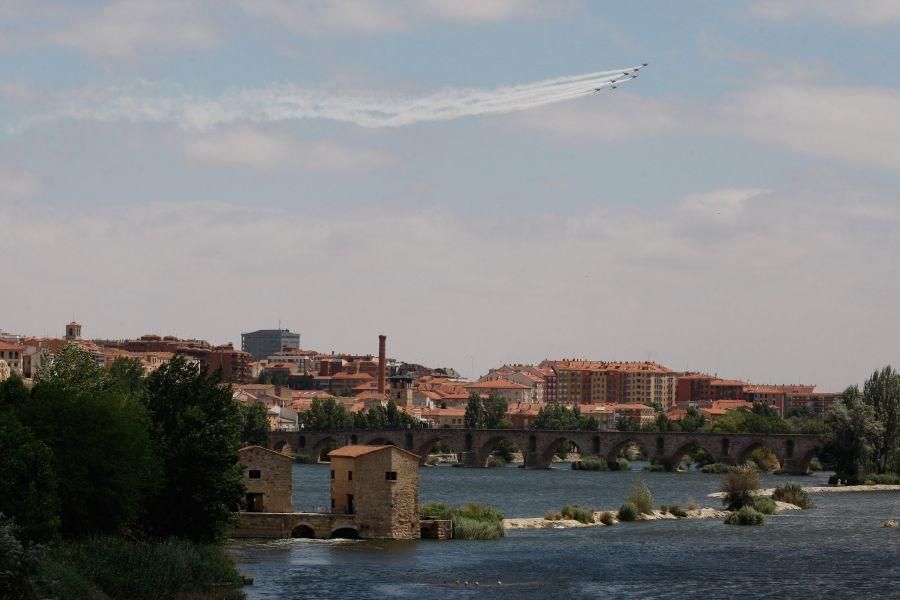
(205, 168)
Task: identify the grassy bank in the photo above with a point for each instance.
(470, 521)
(111, 567)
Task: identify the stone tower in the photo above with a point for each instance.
(73, 331)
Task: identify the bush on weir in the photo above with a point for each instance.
(577, 513)
(641, 497)
(745, 516)
(792, 493)
(764, 505)
(628, 512)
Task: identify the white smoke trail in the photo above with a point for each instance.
(151, 103)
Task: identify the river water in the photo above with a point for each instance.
(837, 550)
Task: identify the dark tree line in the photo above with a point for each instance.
(88, 451)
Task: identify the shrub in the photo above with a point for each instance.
(816, 465)
(792, 493)
(495, 462)
(470, 529)
(740, 483)
(885, 479)
(663, 508)
(628, 512)
(606, 517)
(432, 461)
(303, 459)
(715, 468)
(641, 497)
(591, 463)
(764, 459)
(654, 468)
(764, 505)
(693, 505)
(436, 510)
(478, 512)
(621, 464)
(577, 513)
(123, 569)
(747, 515)
(553, 516)
(678, 511)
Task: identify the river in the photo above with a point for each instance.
(838, 549)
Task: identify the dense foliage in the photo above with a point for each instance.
(94, 452)
(740, 483)
(792, 493)
(255, 426)
(486, 413)
(640, 496)
(327, 414)
(745, 516)
(470, 521)
(558, 416)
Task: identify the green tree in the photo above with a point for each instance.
(693, 420)
(255, 426)
(881, 391)
(627, 424)
(127, 376)
(474, 417)
(327, 414)
(20, 562)
(102, 454)
(853, 435)
(73, 369)
(195, 425)
(27, 481)
(494, 411)
(555, 416)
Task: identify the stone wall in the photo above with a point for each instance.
(275, 480)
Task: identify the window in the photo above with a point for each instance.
(332, 473)
(254, 474)
(390, 475)
(349, 475)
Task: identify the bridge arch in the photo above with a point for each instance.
(381, 441)
(345, 533)
(325, 445)
(556, 445)
(757, 444)
(284, 447)
(689, 447)
(494, 443)
(441, 435)
(613, 455)
(303, 531)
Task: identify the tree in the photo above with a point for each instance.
(853, 435)
(27, 481)
(73, 369)
(101, 453)
(882, 392)
(255, 426)
(195, 425)
(555, 416)
(20, 561)
(693, 420)
(494, 409)
(627, 424)
(474, 418)
(127, 376)
(327, 414)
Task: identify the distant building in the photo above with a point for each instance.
(73, 331)
(266, 342)
(510, 391)
(12, 354)
(268, 479)
(380, 485)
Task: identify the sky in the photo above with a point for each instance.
(411, 167)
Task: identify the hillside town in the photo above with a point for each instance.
(272, 369)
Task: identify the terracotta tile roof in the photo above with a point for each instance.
(11, 347)
(282, 455)
(496, 384)
(355, 451)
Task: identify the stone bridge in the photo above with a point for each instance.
(474, 446)
(321, 526)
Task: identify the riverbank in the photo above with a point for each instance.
(824, 490)
(693, 514)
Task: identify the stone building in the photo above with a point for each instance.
(380, 486)
(268, 479)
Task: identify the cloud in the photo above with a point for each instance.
(316, 17)
(159, 103)
(752, 291)
(722, 205)
(17, 185)
(121, 29)
(845, 123)
(855, 13)
(250, 148)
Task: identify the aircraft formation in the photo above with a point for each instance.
(627, 75)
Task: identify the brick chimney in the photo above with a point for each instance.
(382, 363)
